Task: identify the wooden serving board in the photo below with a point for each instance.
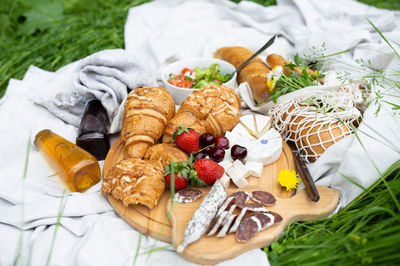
(212, 250)
(155, 222)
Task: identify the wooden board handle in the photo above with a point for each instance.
(212, 250)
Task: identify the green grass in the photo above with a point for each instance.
(367, 231)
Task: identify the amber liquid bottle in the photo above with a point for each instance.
(77, 168)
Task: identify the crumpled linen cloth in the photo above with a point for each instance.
(90, 233)
(106, 75)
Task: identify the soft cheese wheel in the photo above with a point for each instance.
(265, 149)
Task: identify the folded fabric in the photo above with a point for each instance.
(106, 75)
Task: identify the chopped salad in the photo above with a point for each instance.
(198, 78)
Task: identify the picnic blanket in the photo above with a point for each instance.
(90, 233)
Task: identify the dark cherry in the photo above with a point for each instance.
(217, 154)
(199, 155)
(206, 139)
(222, 142)
(238, 152)
(207, 150)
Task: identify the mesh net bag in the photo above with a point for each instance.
(315, 118)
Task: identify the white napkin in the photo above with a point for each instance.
(90, 232)
(106, 75)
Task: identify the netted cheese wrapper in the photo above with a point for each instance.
(315, 118)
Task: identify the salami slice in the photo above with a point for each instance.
(277, 217)
(188, 195)
(218, 223)
(240, 197)
(263, 197)
(239, 218)
(247, 229)
(224, 206)
(227, 224)
(251, 205)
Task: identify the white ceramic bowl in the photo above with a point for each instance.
(180, 94)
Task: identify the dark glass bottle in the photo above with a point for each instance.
(93, 130)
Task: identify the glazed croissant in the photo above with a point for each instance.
(135, 181)
(214, 109)
(166, 153)
(147, 112)
(254, 73)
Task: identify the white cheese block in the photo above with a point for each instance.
(225, 180)
(256, 168)
(241, 168)
(239, 181)
(225, 164)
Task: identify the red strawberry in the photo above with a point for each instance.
(208, 170)
(187, 139)
(180, 171)
(179, 182)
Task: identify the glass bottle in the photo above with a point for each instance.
(77, 168)
(93, 130)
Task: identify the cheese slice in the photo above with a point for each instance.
(255, 168)
(242, 170)
(238, 180)
(225, 164)
(225, 180)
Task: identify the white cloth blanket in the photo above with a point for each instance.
(90, 233)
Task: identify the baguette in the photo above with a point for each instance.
(254, 73)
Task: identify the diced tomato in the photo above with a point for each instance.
(174, 82)
(217, 80)
(185, 84)
(181, 83)
(180, 77)
(186, 70)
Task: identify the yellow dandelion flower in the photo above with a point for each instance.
(289, 179)
(316, 73)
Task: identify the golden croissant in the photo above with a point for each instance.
(146, 114)
(213, 109)
(166, 153)
(135, 181)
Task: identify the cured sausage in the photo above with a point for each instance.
(202, 217)
(188, 195)
(263, 197)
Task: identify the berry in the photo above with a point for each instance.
(222, 142)
(181, 172)
(179, 182)
(207, 139)
(238, 152)
(199, 155)
(208, 170)
(187, 139)
(217, 154)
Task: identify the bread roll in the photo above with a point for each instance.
(274, 60)
(147, 112)
(254, 73)
(135, 181)
(214, 109)
(312, 137)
